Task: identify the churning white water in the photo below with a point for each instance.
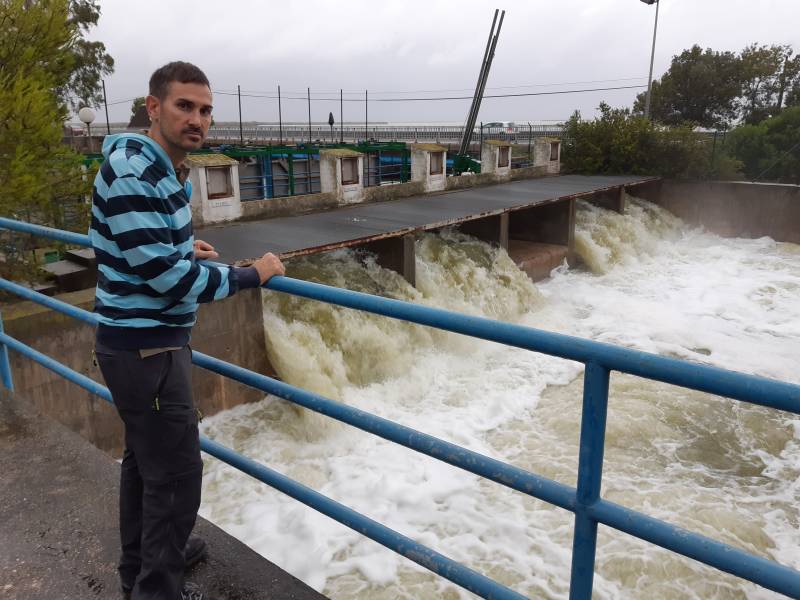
(715, 466)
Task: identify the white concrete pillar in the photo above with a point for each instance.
(496, 158)
(547, 154)
(429, 165)
(215, 188)
(341, 173)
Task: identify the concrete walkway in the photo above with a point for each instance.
(58, 523)
(351, 225)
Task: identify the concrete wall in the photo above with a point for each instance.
(395, 191)
(647, 190)
(462, 182)
(287, 206)
(230, 329)
(541, 237)
(735, 209)
(528, 173)
(492, 229)
(396, 254)
(537, 259)
(613, 199)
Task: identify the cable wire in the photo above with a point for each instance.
(439, 98)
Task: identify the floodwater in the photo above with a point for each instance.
(718, 467)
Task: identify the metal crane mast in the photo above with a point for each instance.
(483, 75)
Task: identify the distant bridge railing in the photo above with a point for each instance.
(442, 134)
(584, 500)
(351, 133)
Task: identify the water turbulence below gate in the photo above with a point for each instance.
(722, 468)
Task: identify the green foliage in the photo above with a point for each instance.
(770, 150)
(725, 167)
(793, 95)
(137, 103)
(619, 142)
(90, 61)
(765, 73)
(700, 87)
(39, 176)
(715, 89)
(72, 64)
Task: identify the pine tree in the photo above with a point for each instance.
(41, 179)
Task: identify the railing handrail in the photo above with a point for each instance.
(584, 500)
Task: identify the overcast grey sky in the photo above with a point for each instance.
(393, 47)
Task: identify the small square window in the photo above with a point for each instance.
(554, 150)
(502, 156)
(437, 163)
(349, 171)
(218, 182)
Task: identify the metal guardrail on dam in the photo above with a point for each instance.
(584, 500)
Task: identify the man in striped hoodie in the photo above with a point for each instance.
(149, 285)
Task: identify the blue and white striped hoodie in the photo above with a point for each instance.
(148, 282)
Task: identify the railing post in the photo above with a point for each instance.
(290, 162)
(264, 178)
(5, 364)
(590, 473)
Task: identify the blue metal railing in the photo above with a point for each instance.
(585, 501)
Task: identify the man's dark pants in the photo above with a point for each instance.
(161, 466)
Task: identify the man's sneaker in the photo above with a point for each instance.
(194, 552)
(192, 591)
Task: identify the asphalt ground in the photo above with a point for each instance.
(59, 537)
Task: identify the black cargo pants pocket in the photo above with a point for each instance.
(153, 396)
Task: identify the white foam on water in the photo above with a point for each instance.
(711, 465)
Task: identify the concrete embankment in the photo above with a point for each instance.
(231, 329)
(58, 522)
(734, 208)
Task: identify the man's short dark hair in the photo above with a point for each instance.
(182, 72)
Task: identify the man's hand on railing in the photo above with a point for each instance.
(269, 265)
(204, 250)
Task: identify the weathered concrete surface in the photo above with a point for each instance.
(397, 254)
(356, 225)
(285, 206)
(736, 209)
(58, 523)
(492, 229)
(550, 224)
(394, 191)
(610, 199)
(536, 259)
(528, 173)
(231, 329)
(464, 182)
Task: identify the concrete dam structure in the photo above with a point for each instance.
(695, 271)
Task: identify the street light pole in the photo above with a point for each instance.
(652, 56)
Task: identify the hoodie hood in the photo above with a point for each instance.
(148, 146)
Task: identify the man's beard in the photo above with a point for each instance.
(179, 142)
